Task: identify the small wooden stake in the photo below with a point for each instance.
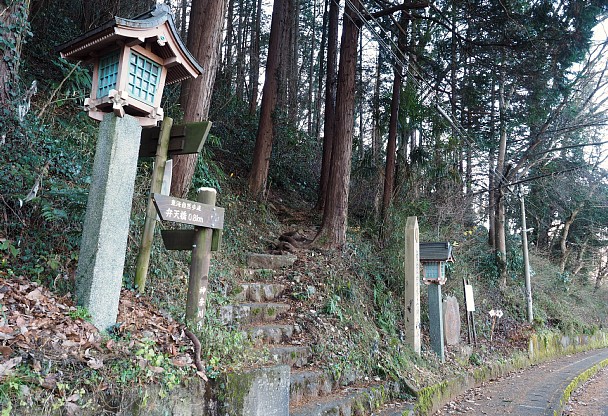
(143, 258)
(199, 268)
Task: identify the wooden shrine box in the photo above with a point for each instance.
(434, 257)
(133, 60)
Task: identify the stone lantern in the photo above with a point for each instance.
(133, 60)
(434, 257)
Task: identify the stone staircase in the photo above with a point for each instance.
(261, 312)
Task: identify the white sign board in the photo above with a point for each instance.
(468, 294)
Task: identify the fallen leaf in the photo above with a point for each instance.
(36, 366)
(95, 363)
(5, 368)
(73, 398)
(72, 409)
(35, 294)
(156, 370)
(49, 382)
(6, 351)
(179, 362)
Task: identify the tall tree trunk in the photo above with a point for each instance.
(13, 29)
(293, 75)
(563, 241)
(332, 233)
(240, 50)
(391, 147)
(204, 41)
(500, 220)
(330, 100)
(254, 59)
(311, 74)
(491, 173)
(183, 19)
(376, 135)
(263, 143)
(360, 97)
(602, 269)
(321, 74)
(227, 66)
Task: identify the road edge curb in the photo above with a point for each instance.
(577, 381)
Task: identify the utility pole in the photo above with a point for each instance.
(524, 244)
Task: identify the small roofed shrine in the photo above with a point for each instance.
(133, 60)
(434, 257)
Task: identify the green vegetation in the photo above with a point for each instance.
(349, 301)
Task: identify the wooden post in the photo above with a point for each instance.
(143, 258)
(412, 284)
(199, 268)
(436, 320)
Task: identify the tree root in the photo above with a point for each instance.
(289, 242)
(197, 349)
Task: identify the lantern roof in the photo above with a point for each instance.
(438, 251)
(154, 28)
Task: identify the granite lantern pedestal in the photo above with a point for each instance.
(106, 223)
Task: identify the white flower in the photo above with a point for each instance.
(499, 313)
(492, 313)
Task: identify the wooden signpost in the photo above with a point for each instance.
(470, 304)
(162, 142)
(205, 238)
(184, 139)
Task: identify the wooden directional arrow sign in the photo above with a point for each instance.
(188, 212)
(184, 239)
(185, 139)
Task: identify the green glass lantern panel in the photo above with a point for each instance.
(108, 74)
(431, 270)
(144, 76)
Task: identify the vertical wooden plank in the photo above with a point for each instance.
(199, 268)
(143, 258)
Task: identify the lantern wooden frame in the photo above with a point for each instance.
(152, 37)
(433, 257)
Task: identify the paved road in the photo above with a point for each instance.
(590, 399)
(535, 391)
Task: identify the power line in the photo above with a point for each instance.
(429, 91)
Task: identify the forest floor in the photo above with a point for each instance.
(51, 356)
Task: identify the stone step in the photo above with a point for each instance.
(251, 313)
(293, 355)
(361, 401)
(269, 261)
(270, 333)
(395, 409)
(259, 292)
(305, 385)
(256, 274)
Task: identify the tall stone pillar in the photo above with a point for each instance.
(106, 224)
(412, 284)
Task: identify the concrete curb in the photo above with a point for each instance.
(541, 347)
(577, 381)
